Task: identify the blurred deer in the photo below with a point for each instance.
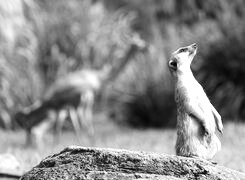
(72, 95)
(77, 91)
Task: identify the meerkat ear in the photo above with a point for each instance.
(172, 64)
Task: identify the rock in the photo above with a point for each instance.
(96, 163)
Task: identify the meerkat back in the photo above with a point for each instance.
(197, 119)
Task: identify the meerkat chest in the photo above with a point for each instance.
(186, 90)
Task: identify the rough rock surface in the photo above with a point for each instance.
(97, 163)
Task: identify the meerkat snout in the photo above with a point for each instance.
(194, 45)
(192, 48)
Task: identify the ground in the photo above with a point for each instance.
(109, 134)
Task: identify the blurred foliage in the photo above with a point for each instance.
(44, 39)
(20, 83)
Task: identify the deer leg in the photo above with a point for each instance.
(53, 117)
(61, 117)
(40, 130)
(85, 112)
(89, 118)
(81, 115)
(29, 140)
(75, 122)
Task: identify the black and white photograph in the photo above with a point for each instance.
(122, 89)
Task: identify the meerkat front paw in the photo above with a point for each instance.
(220, 128)
(206, 131)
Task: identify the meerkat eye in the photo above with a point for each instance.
(183, 50)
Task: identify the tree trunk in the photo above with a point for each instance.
(97, 163)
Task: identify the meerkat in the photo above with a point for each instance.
(197, 119)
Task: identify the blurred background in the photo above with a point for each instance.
(106, 61)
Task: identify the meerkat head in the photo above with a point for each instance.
(181, 59)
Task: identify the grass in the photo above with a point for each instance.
(113, 135)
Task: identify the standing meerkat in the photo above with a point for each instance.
(197, 119)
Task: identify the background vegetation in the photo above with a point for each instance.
(42, 40)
